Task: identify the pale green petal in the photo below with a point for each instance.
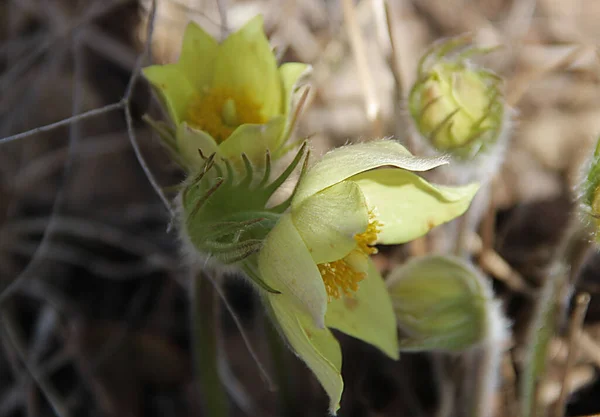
(367, 315)
(246, 63)
(189, 140)
(285, 264)
(316, 347)
(408, 206)
(344, 162)
(173, 89)
(291, 73)
(328, 221)
(197, 58)
(254, 140)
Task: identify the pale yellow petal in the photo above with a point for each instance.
(246, 64)
(190, 141)
(254, 140)
(408, 206)
(286, 265)
(344, 162)
(197, 58)
(316, 347)
(328, 221)
(174, 90)
(367, 315)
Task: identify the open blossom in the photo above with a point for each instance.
(317, 255)
(230, 98)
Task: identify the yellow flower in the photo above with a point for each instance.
(229, 98)
(317, 255)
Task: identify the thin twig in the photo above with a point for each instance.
(60, 123)
(589, 347)
(16, 339)
(488, 225)
(222, 6)
(372, 105)
(149, 176)
(401, 133)
(61, 193)
(263, 371)
(128, 119)
(22, 65)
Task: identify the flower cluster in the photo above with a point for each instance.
(230, 112)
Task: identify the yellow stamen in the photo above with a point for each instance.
(367, 239)
(221, 110)
(339, 276)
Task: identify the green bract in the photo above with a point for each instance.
(316, 258)
(456, 106)
(223, 212)
(229, 98)
(441, 303)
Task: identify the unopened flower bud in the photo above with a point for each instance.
(442, 303)
(456, 106)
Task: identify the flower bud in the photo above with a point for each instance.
(442, 303)
(456, 106)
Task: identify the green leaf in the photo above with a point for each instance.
(342, 163)
(316, 347)
(367, 315)
(286, 265)
(246, 64)
(408, 206)
(328, 221)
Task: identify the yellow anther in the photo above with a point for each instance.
(339, 277)
(219, 111)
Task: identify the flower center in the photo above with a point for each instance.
(340, 277)
(221, 110)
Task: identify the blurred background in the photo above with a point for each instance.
(94, 308)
